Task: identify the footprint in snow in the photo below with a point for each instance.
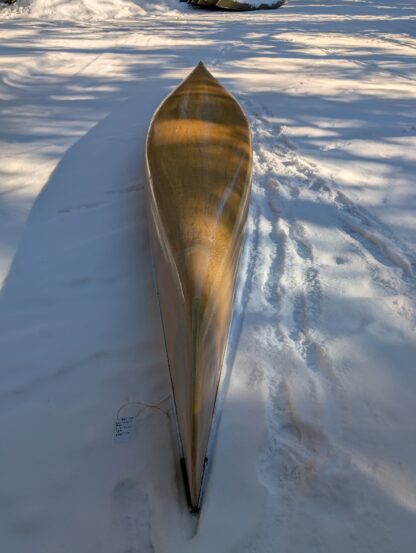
(132, 513)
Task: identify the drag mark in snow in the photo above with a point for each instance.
(378, 245)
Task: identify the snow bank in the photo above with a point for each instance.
(86, 9)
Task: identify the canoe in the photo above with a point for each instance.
(198, 158)
(241, 6)
(236, 5)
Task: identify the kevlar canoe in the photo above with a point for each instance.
(236, 5)
(198, 157)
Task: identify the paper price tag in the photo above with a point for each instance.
(123, 429)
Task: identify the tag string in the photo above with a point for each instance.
(144, 406)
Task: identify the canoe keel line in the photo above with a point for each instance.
(198, 158)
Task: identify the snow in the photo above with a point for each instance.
(86, 9)
(315, 449)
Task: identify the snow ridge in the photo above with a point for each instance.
(89, 10)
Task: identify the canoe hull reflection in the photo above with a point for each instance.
(199, 156)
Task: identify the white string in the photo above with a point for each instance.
(143, 407)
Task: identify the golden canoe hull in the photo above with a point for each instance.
(199, 156)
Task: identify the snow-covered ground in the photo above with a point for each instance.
(316, 448)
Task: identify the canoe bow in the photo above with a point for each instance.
(198, 156)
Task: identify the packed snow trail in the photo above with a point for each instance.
(314, 450)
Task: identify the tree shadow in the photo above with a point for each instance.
(78, 304)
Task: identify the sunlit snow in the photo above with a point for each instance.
(315, 451)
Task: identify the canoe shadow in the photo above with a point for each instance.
(78, 308)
